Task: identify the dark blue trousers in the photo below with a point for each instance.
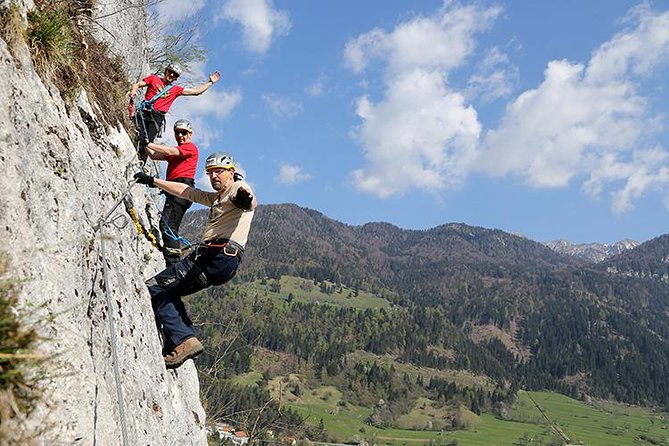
(203, 267)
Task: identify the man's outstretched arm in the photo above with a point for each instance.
(171, 187)
(213, 78)
(159, 151)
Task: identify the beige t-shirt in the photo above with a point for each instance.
(226, 221)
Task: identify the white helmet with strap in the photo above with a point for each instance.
(183, 124)
(174, 68)
(219, 160)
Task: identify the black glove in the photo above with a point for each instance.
(243, 199)
(143, 178)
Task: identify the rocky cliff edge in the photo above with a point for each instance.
(61, 170)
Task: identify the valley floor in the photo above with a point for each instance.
(598, 424)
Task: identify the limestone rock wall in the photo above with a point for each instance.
(61, 172)
(121, 23)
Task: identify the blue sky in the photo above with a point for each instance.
(543, 118)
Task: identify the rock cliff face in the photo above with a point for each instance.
(62, 169)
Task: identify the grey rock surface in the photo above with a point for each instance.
(62, 170)
(591, 252)
(121, 23)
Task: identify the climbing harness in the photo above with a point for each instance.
(140, 118)
(144, 105)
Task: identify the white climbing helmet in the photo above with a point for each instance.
(174, 68)
(183, 124)
(219, 160)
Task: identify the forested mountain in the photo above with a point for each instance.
(471, 298)
(650, 260)
(287, 239)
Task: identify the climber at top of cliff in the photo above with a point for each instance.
(159, 97)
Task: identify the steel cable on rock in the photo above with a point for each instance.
(112, 328)
(112, 335)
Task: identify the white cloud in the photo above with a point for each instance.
(646, 170)
(203, 111)
(441, 41)
(260, 22)
(494, 78)
(213, 103)
(282, 106)
(422, 134)
(291, 174)
(316, 89)
(372, 44)
(589, 120)
(638, 50)
(551, 133)
(170, 11)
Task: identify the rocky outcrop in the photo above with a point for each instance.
(62, 170)
(120, 23)
(591, 252)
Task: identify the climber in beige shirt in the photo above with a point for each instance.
(212, 263)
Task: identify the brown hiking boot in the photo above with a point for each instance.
(188, 349)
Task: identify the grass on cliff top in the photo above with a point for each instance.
(18, 388)
(11, 26)
(64, 51)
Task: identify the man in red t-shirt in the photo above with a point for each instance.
(160, 94)
(181, 166)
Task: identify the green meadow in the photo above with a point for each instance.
(594, 424)
(597, 424)
(304, 290)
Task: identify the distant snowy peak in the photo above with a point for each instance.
(591, 252)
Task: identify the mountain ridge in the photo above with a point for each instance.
(565, 317)
(592, 252)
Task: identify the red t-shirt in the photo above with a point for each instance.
(154, 85)
(184, 164)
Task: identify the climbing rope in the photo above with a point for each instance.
(168, 230)
(104, 221)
